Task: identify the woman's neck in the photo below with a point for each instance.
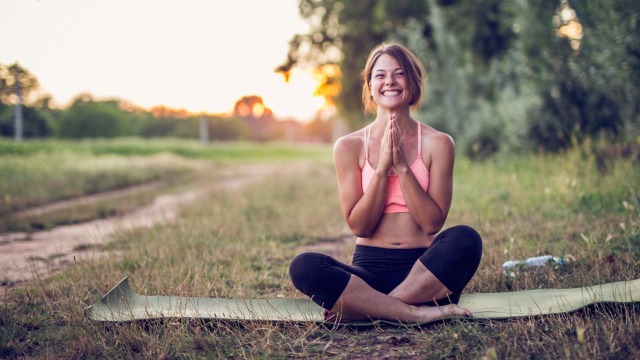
(403, 119)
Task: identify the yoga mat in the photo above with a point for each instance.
(122, 304)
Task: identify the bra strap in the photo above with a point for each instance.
(367, 131)
(419, 141)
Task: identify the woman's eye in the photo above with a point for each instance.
(399, 74)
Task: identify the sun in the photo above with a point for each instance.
(296, 99)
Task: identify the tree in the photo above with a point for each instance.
(36, 122)
(475, 86)
(251, 106)
(343, 32)
(252, 111)
(502, 74)
(87, 118)
(590, 82)
(9, 76)
(448, 36)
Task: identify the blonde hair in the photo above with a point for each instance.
(412, 67)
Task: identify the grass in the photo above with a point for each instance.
(36, 173)
(42, 178)
(115, 204)
(233, 152)
(239, 243)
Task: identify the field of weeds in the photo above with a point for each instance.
(238, 243)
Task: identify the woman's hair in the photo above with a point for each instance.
(410, 64)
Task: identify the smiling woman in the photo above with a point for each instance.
(395, 185)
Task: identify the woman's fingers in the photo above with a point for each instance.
(386, 149)
(397, 143)
(395, 132)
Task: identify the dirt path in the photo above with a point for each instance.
(63, 204)
(24, 257)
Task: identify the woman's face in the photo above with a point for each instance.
(388, 84)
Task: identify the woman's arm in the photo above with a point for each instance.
(430, 209)
(362, 211)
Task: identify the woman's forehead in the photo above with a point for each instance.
(386, 62)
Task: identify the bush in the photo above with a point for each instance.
(34, 123)
(87, 118)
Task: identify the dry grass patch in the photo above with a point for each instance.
(239, 243)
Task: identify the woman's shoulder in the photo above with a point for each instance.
(437, 144)
(352, 142)
(435, 139)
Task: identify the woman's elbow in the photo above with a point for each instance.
(361, 233)
(359, 230)
(432, 227)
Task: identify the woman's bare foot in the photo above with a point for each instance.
(430, 313)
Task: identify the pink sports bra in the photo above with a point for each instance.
(394, 202)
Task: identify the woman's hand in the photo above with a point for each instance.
(397, 145)
(386, 151)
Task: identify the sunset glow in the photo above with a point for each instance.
(296, 98)
(193, 55)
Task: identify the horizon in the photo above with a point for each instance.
(196, 56)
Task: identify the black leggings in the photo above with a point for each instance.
(453, 258)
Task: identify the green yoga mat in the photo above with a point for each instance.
(122, 304)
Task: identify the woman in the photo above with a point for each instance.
(395, 181)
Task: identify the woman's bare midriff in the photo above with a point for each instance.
(397, 231)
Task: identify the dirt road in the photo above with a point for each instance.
(24, 257)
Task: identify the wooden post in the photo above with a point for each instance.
(18, 119)
(204, 130)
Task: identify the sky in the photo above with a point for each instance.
(198, 55)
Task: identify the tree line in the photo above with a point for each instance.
(502, 75)
(514, 75)
(87, 117)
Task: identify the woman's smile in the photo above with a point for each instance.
(388, 83)
(391, 93)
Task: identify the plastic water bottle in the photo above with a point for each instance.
(511, 265)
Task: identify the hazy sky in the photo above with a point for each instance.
(201, 55)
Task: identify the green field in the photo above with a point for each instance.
(41, 172)
(238, 243)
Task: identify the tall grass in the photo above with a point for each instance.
(39, 172)
(44, 178)
(239, 243)
(559, 205)
(218, 151)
